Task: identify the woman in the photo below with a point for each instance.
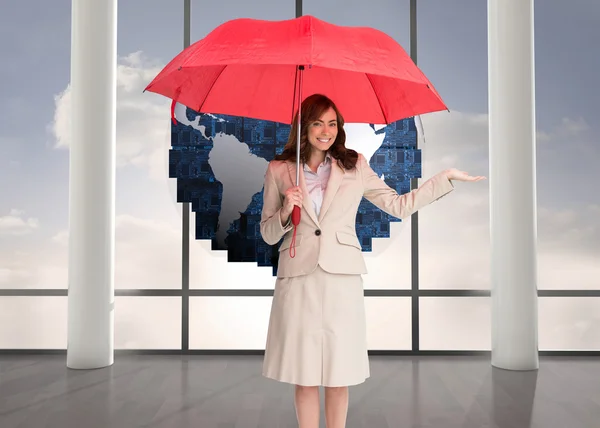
(317, 329)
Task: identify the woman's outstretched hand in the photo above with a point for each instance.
(455, 174)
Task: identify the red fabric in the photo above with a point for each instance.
(247, 67)
(296, 214)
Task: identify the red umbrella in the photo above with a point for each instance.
(264, 69)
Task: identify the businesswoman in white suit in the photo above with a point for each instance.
(317, 328)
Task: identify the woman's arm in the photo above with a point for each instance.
(271, 227)
(401, 206)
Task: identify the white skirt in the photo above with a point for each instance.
(317, 331)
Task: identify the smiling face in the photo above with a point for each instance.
(323, 131)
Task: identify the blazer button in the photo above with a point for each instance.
(317, 232)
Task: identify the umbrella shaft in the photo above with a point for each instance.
(299, 128)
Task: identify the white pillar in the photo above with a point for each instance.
(92, 183)
(513, 223)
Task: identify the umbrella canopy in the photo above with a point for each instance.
(265, 69)
(249, 67)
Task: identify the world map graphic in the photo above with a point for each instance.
(220, 161)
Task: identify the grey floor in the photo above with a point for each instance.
(228, 392)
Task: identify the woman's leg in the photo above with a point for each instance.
(306, 399)
(336, 406)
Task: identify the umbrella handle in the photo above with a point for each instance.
(295, 222)
(296, 215)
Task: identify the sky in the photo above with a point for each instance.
(454, 233)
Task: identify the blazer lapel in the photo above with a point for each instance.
(333, 184)
(306, 200)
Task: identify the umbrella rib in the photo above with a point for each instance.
(377, 96)
(211, 87)
(294, 98)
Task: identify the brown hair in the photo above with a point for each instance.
(313, 108)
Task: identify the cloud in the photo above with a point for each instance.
(143, 119)
(570, 230)
(573, 126)
(566, 129)
(147, 245)
(147, 252)
(16, 224)
(35, 264)
(147, 255)
(454, 231)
